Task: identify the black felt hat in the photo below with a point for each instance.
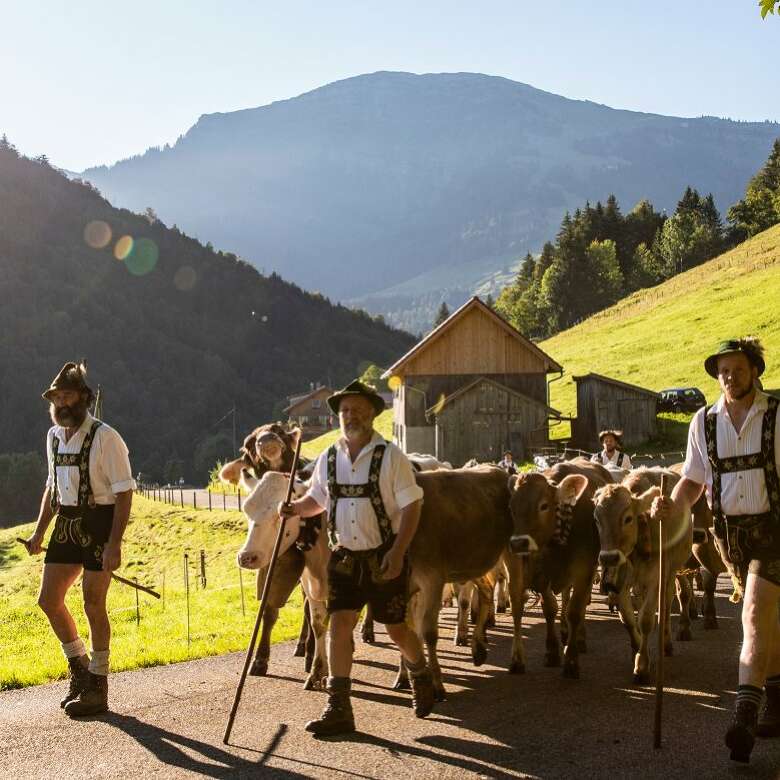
(751, 348)
(72, 376)
(357, 388)
(617, 435)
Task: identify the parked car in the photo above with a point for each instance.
(680, 399)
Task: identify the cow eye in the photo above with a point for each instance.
(627, 519)
(543, 507)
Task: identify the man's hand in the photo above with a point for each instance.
(392, 564)
(286, 510)
(661, 509)
(112, 557)
(34, 544)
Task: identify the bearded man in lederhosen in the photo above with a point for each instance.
(734, 452)
(88, 495)
(367, 486)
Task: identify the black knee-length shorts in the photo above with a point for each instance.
(79, 536)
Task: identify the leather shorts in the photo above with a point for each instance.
(79, 535)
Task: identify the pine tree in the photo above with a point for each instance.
(441, 315)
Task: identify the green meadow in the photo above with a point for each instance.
(155, 542)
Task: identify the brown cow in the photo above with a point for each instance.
(554, 528)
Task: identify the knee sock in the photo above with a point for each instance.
(74, 649)
(415, 669)
(98, 664)
(749, 694)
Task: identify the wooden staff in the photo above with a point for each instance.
(659, 667)
(264, 598)
(113, 576)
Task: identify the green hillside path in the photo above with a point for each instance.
(658, 338)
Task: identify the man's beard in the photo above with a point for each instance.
(739, 392)
(69, 416)
(355, 430)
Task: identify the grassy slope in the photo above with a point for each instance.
(658, 338)
(156, 539)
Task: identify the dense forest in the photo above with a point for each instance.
(601, 255)
(174, 332)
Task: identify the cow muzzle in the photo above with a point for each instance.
(613, 571)
(523, 544)
(248, 560)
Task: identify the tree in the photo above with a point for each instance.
(768, 7)
(373, 376)
(441, 315)
(760, 208)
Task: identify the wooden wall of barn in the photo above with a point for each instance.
(486, 420)
(602, 405)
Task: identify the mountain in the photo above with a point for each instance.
(174, 333)
(375, 181)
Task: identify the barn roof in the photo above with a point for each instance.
(453, 319)
(439, 405)
(296, 400)
(617, 383)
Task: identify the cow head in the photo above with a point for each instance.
(261, 508)
(535, 502)
(619, 516)
(270, 447)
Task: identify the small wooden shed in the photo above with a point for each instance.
(604, 403)
(484, 418)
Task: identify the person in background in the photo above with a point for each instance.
(612, 450)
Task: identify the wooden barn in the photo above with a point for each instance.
(311, 412)
(604, 403)
(473, 387)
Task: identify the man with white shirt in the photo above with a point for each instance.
(88, 494)
(612, 453)
(367, 486)
(734, 453)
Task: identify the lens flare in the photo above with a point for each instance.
(185, 278)
(394, 382)
(97, 234)
(123, 247)
(439, 405)
(143, 257)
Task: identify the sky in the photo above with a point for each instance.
(92, 82)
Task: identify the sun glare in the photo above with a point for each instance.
(97, 234)
(123, 247)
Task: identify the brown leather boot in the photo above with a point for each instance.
(769, 720)
(92, 700)
(423, 696)
(79, 676)
(337, 717)
(742, 733)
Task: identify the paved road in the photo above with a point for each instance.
(168, 722)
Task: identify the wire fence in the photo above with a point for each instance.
(196, 498)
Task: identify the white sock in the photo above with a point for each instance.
(98, 664)
(74, 649)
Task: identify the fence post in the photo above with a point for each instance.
(187, 592)
(239, 499)
(241, 588)
(203, 569)
(163, 590)
(181, 492)
(208, 490)
(224, 501)
(137, 606)
(194, 499)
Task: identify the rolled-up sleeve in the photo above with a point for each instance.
(115, 462)
(695, 466)
(405, 488)
(318, 488)
(50, 473)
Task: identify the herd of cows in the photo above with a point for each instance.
(548, 532)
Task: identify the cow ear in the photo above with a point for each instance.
(512, 482)
(643, 503)
(231, 472)
(571, 488)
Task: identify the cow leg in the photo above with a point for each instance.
(402, 682)
(484, 587)
(465, 595)
(625, 608)
(708, 581)
(670, 591)
(319, 629)
(685, 597)
(367, 628)
(259, 667)
(517, 596)
(646, 625)
(502, 591)
(303, 634)
(428, 628)
(565, 595)
(552, 655)
(575, 618)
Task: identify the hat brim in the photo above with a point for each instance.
(711, 363)
(335, 400)
(46, 395)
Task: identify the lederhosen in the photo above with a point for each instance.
(81, 531)
(603, 461)
(354, 576)
(751, 542)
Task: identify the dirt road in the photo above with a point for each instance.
(168, 721)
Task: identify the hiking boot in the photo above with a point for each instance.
(79, 676)
(742, 732)
(769, 721)
(92, 700)
(423, 695)
(337, 717)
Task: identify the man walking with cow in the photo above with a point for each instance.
(88, 494)
(734, 453)
(367, 486)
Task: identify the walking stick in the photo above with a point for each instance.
(264, 598)
(113, 576)
(659, 667)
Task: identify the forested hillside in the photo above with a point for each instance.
(174, 332)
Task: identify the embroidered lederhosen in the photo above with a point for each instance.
(748, 539)
(81, 531)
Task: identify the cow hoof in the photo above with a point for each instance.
(314, 683)
(300, 650)
(517, 667)
(479, 654)
(259, 667)
(501, 608)
(307, 664)
(710, 623)
(552, 659)
(684, 635)
(582, 646)
(461, 641)
(669, 650)
(641, 678)
(439, 694)
(402, 683)
(571, 672)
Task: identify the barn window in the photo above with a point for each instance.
(316, 403)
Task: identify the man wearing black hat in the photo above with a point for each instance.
(612, 450)
(367, 486)
(734, 452)
(88, 494)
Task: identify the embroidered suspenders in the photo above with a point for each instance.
(80, 459)
(368, 490)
